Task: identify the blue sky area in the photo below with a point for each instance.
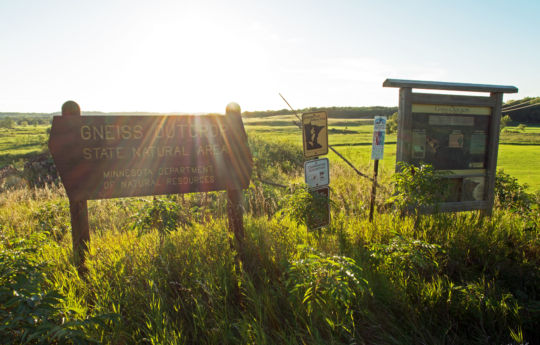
(196, 56)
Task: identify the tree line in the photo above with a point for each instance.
(526, 113)
(10, 122)
(525, 110)
(333, 112)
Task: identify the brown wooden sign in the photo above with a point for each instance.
(119, 156)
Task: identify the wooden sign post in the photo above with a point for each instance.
(101, 157)
(234, 193)
(78, 209)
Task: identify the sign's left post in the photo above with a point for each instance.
(80, 229)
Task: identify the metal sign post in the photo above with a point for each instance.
(377, 150)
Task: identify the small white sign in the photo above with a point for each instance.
(317, 172)
(379, 132)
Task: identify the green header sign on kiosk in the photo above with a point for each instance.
(456, 134)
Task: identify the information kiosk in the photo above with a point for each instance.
(457, 134)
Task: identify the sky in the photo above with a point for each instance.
(197, 56)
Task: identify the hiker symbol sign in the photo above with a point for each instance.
(315, 133)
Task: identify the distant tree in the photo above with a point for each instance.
(7, 123)
(392, 123)
(524, 110)
(23, 123)
(505, 120)
(333, 112)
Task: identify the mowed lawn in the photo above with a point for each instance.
(522, 162)
(22, 139)
(519, 151)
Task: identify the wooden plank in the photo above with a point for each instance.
(431, 98)
(439, 85)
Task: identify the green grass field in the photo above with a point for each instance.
(518, 151)
(16, 144)
(166, 269)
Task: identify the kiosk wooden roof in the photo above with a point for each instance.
(439, 85)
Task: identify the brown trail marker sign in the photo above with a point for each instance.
(315, 134)
(101, 157)
(457, 134)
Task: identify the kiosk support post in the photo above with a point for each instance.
(495, 129)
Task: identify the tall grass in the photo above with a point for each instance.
(162, 270)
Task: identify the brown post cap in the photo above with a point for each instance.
(233, 108)
(71, 108)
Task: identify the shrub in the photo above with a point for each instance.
(328, 289)
(418, 187)
(511, 195)
(505, 121)
(408, 257)
(163, 213)
(53, 217)
(304, 206)
(392, 124)
(30, 313)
